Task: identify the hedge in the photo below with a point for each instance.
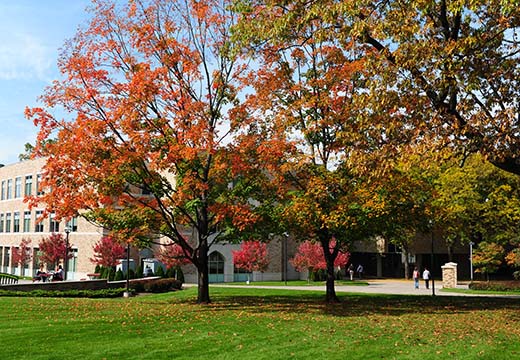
(105, 293)
(156, 285)
(495, 285)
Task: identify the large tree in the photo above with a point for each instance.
(151, 142)
(450, 69)
(458, 58)
(305, 87)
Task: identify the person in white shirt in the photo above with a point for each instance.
(426, 278)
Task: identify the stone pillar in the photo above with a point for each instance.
(449, 275)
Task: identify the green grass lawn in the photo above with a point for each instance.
(299, 283)
(247, 323)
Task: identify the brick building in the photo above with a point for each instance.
(17, 222)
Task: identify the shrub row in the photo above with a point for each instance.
(495, 285)
(104, 293)
(156, 285)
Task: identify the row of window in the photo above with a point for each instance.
(7, 265)
(12, 188)
(14, 222)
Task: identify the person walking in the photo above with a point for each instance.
(415, 277)
(426, 278)
(360, 271)
(351, 272)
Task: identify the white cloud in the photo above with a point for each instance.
(23, 57)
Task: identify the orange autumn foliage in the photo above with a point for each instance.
(152, 133)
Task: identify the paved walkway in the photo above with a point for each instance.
(384, 286)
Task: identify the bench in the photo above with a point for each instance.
(8, 279)
(93, 276)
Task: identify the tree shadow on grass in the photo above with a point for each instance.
(358, 305)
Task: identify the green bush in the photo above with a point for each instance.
(131, 274)
(495, 285)
(155, 285)
(103, 273)
(139, 272)
(119, 275)
(170, 273)
(180, 274)
(104, 293)
(111, 274)
(160, 272)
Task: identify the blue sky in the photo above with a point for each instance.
(31, 33)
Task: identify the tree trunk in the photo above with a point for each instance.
(203, 274)
(203, 285)
(330, 296)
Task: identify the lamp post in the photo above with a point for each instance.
(127, 293)
(432, 263)
(66, 259)
(286, 237)
(471, 243)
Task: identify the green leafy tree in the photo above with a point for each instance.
(488, 258)
(448, 70)
(303, 92)
(476, 202)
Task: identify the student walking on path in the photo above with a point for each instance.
(360, 271)
(415, 277)
(426, 278)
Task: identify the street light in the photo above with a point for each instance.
(286, 237)
(431, 270)
(471, 243)
(66, 259)
(127, 293)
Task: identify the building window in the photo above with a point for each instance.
(26, 221)
(216, 267)
(39, 221)
(28, 185)
(9, 189)
(39, 190)
(3, 190)
(54, 226)
(1, 223)
(72, 224)
(16, 222)
(18, 187)
(7, 256)
(8, 222)
(72, 263)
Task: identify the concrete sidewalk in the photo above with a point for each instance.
(379, 286)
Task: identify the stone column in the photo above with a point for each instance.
(449, 275)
